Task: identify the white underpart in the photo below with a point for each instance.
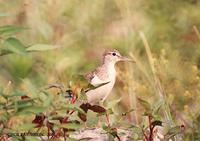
(102, 92)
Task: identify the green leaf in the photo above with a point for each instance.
(82, 95)
(48, 101)
(16, 93)
(34, 109)
(41, 47)
(145, 105)
(104, 127)
(157, 107)
(173, 132)
(71, 126)
(31, 88)
(21, 104)
(14, 46)
(92, 119)
(8, 30)
(26, 126)
(74, 107)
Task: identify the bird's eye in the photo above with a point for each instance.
(113, 54)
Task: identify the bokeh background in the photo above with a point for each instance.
(83, 29)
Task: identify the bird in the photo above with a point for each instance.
(104, 76)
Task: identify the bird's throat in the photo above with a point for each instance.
(110, 69)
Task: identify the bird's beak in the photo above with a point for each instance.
(123, 58)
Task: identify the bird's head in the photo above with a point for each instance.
(113, 56)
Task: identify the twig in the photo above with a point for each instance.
(146, 137)
(197, 32)
(151, 129)
(118, 138)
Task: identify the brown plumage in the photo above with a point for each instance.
(100, 72)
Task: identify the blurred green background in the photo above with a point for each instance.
(83, 29)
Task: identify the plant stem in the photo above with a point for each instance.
(157, 84)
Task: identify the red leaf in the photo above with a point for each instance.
(64, 120)
(84, 107)
(82, 117)
(39, 120)
(49, 126)
(25, 97)
(97, 109)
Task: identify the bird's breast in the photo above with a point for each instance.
(101, 93)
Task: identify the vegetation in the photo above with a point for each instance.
(44, 44)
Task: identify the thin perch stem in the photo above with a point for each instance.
(157, 84)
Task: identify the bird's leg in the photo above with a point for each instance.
(107, 114)
(107, 119)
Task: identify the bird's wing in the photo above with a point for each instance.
(89, 76)
(95, 78)
(92, 74)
